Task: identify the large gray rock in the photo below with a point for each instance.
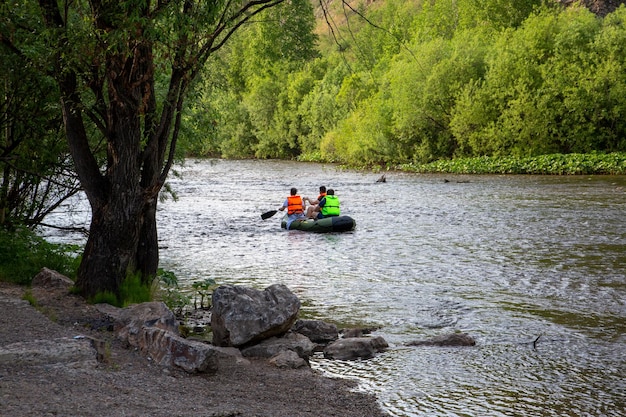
(49, 278)
(316, 330)
(288, 359)
(244, 315)
(152, 328)
(355, 348)
(129, 321)
(294, 342)
(453, 339)
(170, 350)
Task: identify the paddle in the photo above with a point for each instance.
(268, 214)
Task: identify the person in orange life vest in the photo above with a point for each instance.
(313, 209)
(294, 205)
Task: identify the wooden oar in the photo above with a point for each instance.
(268, 214)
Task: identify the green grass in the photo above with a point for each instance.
(132, 291)
(28, 296)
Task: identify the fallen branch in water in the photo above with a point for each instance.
(535, 342)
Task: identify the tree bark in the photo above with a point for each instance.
(147, 259)
(110, 248)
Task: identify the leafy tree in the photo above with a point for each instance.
(443, 18)
(123, 70)
(362, 138)
(320, 110)
(35, 169)
(252, 74)
(424, 91)
(552, 86)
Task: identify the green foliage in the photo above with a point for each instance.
(245, 108)
(35, 173)
(132, 291)
(363, 137)
(286, 33)
(442, 19)
(551, 87)
(410, 82)
(168, 291)
(205, 290)
(28, 296)
(23, 254)
(422, 81)
(167, 278)
(106, 297)
(554, 164)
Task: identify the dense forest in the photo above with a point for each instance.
(393, 82)
(368, 83)
(102, 97)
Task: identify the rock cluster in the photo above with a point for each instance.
(263, 324)
(245, 323)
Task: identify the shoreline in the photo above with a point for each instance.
(125, 383)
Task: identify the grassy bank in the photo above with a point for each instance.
(555, 164)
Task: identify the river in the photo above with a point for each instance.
(507, 259)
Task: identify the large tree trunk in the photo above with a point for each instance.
(147, 259)
(118, 199)
(111, 247)
(117, 215)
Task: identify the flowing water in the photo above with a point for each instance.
(507, 259)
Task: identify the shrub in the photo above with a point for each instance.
(553, 164)
(23, 254)
(168, 291)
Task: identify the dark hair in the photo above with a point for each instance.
(322, 189)
(294, 191)
(331, 191)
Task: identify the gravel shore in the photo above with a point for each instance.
(123, 383)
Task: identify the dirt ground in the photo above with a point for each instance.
(126, 384)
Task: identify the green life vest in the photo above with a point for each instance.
(331, 206)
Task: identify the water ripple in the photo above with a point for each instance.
(532, 267)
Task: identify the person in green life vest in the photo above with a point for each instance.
(328, 205)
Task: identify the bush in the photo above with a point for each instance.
(23, 254)
(168, 291)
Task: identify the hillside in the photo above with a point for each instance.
(599, 7)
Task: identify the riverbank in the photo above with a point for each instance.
(125, 383)
(552, 164)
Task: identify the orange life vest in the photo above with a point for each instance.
(294, 204)
(319, 197)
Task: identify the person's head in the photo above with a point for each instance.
(331, 191)
(322, 189)
(294, 191)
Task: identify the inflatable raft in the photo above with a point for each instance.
(326, 225)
